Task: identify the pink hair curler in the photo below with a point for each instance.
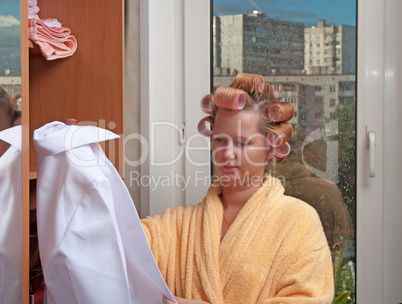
(274, 139)
(206, 103)
(230, 98)
(281, 133)
(282, 151)
(203, 128)
(282, 111)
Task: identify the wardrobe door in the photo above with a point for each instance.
(88, 85)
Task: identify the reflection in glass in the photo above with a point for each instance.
(10, 153)
(307, 51)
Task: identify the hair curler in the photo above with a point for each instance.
(206, 104)
(203, 128)
(280, 134)
(280, 111)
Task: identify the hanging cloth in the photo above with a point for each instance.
(92, 245)
(10, 217)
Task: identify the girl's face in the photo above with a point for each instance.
(239, 149)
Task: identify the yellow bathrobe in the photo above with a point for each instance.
(274, 252)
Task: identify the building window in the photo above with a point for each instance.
(332, 102)
(332, 88)
(346, 86)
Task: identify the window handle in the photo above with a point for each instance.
(372, 143)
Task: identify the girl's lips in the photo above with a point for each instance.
(229, 167)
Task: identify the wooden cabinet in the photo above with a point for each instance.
(88, 86)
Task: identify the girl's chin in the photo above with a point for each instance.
(238, 180)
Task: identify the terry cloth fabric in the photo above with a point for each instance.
(10, 217)
(54, 41)
(33, 9)
(92, 246)
(274, 252)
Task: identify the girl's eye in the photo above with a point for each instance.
(242, 144)
(219, 140)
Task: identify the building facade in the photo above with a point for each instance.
(12, 84)
(252, 43)
(330, 49)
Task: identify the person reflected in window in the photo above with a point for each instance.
(9, 115)
(246, 242)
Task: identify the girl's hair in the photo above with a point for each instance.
(250, 92)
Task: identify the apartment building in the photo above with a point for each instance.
(253, 43)
(329, 49)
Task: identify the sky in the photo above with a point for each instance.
(10, 37)
(10, 7)
(335, 12)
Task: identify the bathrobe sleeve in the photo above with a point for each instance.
(164, 233)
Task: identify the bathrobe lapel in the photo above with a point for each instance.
(208, 225)
(243, 230)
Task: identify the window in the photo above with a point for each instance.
(312, 88)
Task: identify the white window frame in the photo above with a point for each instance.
(175, 75)
(369, 221)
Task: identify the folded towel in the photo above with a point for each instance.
(274, 252)
(54, 40)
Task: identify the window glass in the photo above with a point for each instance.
(287, 44)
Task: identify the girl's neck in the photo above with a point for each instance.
(235, 200)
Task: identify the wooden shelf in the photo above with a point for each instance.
(33, 49)
(33, 174)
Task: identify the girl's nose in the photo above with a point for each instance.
(229, 151)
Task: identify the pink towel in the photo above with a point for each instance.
(54, 41)
(33, 8)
